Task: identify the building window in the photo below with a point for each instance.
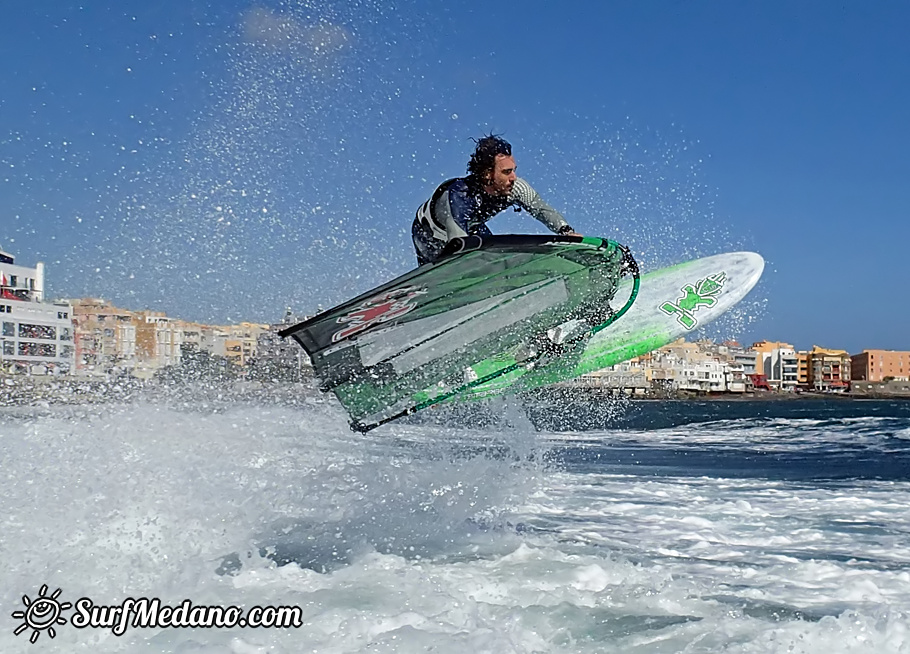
(46, 332)
(9, 329)
(62, 315)
(27, 349)
(9, 348)
(65, 334)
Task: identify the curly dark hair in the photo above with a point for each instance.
(484, 157)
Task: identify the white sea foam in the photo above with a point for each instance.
(418, 538)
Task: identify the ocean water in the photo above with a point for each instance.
(636, 527)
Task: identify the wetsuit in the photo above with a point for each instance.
(460, 207)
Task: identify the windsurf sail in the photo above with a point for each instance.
(490, 306)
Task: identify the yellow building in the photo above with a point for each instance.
(829, 370)
(105, 335)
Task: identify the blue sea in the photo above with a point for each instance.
(571, 526)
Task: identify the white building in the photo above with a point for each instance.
(781, 367)
(702, 376)
(746, 359)
(736, 377)
(160, 339)
(36, 337)
(628, 377)
(699, 374)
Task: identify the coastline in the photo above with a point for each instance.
(21, 391)
(592, 393)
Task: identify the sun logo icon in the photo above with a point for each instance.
(42, 614)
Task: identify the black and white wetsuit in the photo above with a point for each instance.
(459, 207)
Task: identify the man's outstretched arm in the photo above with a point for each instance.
(529, 200)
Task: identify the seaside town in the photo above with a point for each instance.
(90, 338)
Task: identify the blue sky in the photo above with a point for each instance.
(221, 161)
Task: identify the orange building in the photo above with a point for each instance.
(158, 338)
(802, 369)
(876, 365)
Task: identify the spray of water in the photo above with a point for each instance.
(318, 129)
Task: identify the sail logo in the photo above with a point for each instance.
(694, 296)
(377, 310)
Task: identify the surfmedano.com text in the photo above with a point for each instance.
(145, 613)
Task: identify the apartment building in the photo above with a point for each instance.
(239, 343)
(695, 370)
(629, 377)
(105, 336)
(159, 339)
(828, 370)
(779, 363)
(36, 337)
(802, 369)
(746, 359)
(114, 340)
(877, 365)
(732, 353)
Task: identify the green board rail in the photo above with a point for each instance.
(539, 356)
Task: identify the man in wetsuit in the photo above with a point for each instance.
(463, 205)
